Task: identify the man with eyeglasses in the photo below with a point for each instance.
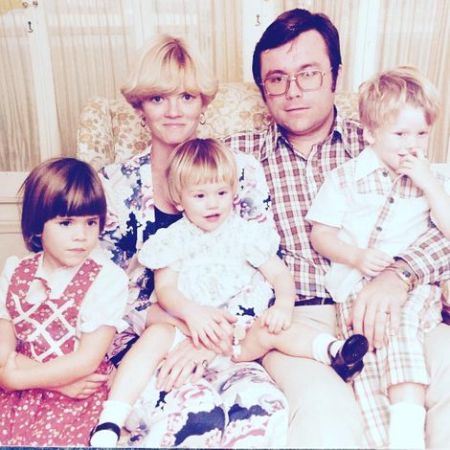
(296, 64)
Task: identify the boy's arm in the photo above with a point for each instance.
(61, 370)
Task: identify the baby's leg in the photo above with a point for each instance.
(303, 341)
(133, 374)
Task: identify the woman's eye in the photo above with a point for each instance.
(186, 96)
(156, 99)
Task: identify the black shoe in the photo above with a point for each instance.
(348, 361)
(105, 426)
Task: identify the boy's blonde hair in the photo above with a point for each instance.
(164, 65)
(200, 161)
(382, 97)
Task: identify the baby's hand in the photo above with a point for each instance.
(209, 325)
(418, 168)
(371, 261)
(277, 318)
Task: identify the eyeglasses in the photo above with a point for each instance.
(306, 80)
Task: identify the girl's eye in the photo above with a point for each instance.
(64, 223)
(199, 195)
(224, 192)
(93, 222)
(399, 133)
(423, 133)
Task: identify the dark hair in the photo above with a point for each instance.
(286, 27)
(59, 187)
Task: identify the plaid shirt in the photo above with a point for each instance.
(294, 182)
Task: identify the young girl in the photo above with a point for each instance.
(209, 260)
(59, 310)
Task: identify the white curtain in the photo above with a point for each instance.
(90, 44)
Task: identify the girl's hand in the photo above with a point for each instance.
(209, 326)
(418, 168)
(277, 318)
(371, 261)
(84, 387)
(185, 363)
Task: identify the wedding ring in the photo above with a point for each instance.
(205, 364)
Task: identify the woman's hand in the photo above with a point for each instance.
(10, 373)
(186, 363)
(84, 387)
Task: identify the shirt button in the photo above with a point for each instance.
(379, 229)
(391, 199)
(385, 173)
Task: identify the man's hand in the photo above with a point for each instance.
(378, 306)
(277, 318)
(84, 387)
(186, 363)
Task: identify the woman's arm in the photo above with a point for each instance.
(7, 342)
(62, 370)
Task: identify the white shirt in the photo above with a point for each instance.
(361, 199)
(104, 303)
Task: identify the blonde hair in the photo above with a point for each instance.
(166, 64)
(382, 97)
(200, 161)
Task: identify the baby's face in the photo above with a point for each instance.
(408, 133)
(207, 205)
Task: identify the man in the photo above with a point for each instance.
(296, 65)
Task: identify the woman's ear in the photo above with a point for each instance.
(179, 207)
(368, 136)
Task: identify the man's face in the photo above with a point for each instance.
(305, 115)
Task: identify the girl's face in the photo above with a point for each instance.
(68, 241)
(173, 118)
(207, 205)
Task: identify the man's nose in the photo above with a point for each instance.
(292, 88)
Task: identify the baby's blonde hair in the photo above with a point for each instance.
(164, 65)
(200, 161)
(382, 97)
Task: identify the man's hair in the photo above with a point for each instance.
(164, 65)
(289, 25)
(59, 187)
(383, 96)
(200, 161)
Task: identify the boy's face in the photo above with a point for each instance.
(207, 205)
(407, 133)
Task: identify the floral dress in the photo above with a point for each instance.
(237, 407)
(45, 330)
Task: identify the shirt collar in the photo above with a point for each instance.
(340, 132)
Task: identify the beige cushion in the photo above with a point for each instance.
(110, 130)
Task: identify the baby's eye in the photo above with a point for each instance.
(224, 192)
(199, 195)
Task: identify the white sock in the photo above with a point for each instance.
(407, 426)
(320, 347)
(115, 412)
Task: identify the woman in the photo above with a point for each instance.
(170, 88)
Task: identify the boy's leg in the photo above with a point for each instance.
(323, 410)
(133, 374)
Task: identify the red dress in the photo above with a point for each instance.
(39, 417)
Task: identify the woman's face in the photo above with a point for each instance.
(172, 118)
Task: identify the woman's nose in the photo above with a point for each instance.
(173, 108)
